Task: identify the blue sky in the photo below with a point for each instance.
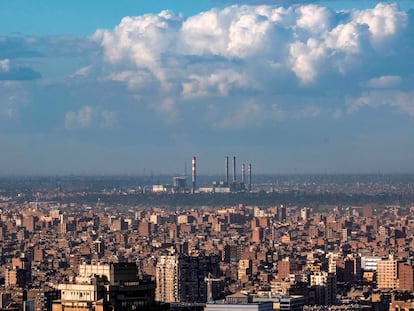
(100, 87)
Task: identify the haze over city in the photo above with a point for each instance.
(209, 155)
(96, 87)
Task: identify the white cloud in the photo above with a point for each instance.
(306, 59)
(397, 99)
(314, 19)
(82, 72)
(5, 65)
(384, 82)
(13, 96)
(167, 108)
(256, 50)
(217, 83)
(88, 116)
(13, 72)
(383, 21)
(141, 41)
(81, 119)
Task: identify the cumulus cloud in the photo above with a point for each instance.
(216, 84)
(81, 119)
(5, 65)
(11, 72)
(13, 96)
(384, 82)
(171, 61)
(89, 116)
(397, 99)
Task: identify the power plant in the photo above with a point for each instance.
(225, 186)
(222, 186)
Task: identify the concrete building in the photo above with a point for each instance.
(291, 303)
(260, 306)
(369, 263)
(387, 273)
(240, 302)
(245, 269)
(324, 284)
(405, 276)
(401, 305)
(181, 278)
(103, 287)
(167, 278)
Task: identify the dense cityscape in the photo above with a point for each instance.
(315, 242)
(214, 155)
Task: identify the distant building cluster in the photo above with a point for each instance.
(179, 184)
(75, 257)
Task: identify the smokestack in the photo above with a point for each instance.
(193, 173)
(226, 167)
(234, 170)
(249, 168)
(243, 173)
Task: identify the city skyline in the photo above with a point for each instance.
(291, 87)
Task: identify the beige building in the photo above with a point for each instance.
(401, 305)
(245, 269)
(387, 273)
(101, 287)
(167, 279)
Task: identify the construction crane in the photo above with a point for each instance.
(209, 279)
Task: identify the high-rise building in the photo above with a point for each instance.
(181, 278)
(167, 279)
(281, 213)
(232, 253)
(405, 276)
(245, 269)
(305, 213)
(324, 284)
(283, 267)
(367, 211)
(257, 235)
(29, 223)
(349, 274)
(102, 287)
(387, 273)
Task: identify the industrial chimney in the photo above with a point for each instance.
(226, 167)
(193, 173)
(243, 174)
(249, 168)
(234, 170)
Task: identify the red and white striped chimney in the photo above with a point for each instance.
(193, 173)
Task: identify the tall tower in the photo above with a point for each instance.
(234, 170)
(193, 173)
(249, 169)
(167, 279)
(226, 170)
(243, 168)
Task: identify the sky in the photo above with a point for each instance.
(130, 87)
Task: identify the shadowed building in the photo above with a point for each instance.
(102, 287)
